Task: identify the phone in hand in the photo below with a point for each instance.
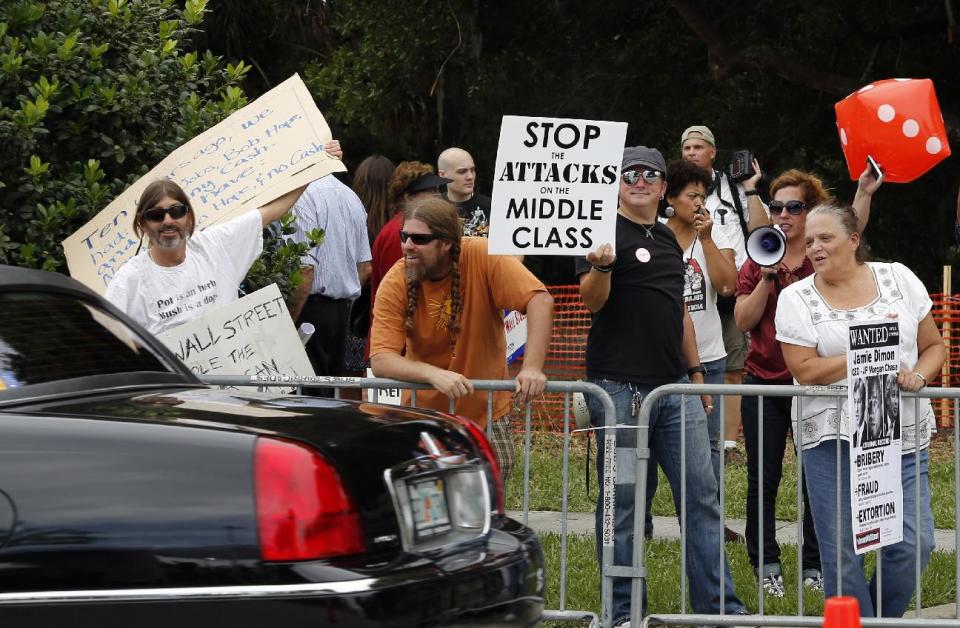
(875, 169)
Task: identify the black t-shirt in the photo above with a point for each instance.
(637, 335)
(475, 212)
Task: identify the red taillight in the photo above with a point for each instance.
(303, 511)
(481, 439)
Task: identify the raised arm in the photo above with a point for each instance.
(867, 185)
(595, 284)
(272, 211)
(758, 213)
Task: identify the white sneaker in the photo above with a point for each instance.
(814, 582)
(773, 585)
(729, 444)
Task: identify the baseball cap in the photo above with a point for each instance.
(699, 132)
(643, 156)
(425, 182)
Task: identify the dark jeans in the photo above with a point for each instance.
(326, 348)
(776, 426)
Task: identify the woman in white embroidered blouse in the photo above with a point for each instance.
(812, 321)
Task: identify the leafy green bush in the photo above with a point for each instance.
(93, 93)
(281, 260)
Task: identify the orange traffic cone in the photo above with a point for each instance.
(841, 612)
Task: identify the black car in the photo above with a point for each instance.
(133, 495)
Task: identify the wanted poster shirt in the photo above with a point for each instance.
(217, 260)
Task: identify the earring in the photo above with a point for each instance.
(669, 211)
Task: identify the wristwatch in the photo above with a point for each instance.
(696, 369)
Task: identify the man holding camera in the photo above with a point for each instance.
(736, 210)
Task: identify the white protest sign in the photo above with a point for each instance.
(271, 146)
(251, 336)
(386, 396)
(873, 399)
(556, 186)
(515, 328)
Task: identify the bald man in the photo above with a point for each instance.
(457, 164)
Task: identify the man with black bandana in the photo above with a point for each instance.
(645, 274)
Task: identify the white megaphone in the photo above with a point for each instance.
(766, 245)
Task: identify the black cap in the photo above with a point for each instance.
(426, 182)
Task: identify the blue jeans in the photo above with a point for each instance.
(820, 472)
(704, 529)
(714, 375)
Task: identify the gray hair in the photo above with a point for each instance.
(847, 218)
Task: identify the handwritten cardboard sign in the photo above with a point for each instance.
(251, 336)
(556, 185)
(271, 146)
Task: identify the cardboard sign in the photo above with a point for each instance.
(251, 336)
(271, 146)
(873, 399)
(555, 187)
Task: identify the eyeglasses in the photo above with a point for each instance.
(794, 207)
(156, 214)
(630, 177)
(418, 238)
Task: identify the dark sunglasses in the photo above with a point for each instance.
(630, 177)
(156, 214)
(418, 238)
(794, 207)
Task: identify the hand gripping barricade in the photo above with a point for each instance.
(757, 392)
(568, 389)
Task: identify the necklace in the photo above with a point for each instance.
(648, 230)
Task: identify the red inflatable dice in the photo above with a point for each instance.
(898, 123)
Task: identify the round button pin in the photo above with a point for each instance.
(643, 255)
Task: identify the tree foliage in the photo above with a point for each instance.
(763, 74)
(94, 93)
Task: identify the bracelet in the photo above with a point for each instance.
(604, 269)
(753, 192)
(922, 378)
(696, 369)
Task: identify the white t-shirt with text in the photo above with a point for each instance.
(217, 260)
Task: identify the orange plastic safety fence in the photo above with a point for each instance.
(571, 323)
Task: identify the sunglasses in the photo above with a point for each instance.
(630, 177)
(156, 214)
(418, 238)
(794, 207)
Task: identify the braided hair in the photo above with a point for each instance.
(441, 216)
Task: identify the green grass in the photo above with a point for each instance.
(546, 480)
(663, 566)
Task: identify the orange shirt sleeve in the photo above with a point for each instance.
(389, 311)
(511, 284)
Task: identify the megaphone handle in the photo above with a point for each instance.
(776, 282)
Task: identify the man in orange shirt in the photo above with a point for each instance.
(438, 320)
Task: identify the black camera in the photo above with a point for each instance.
(741, 166)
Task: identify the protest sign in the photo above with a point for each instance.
(873, 400)
(271, 146)
(251, 336)
(556, 186)
(386, 396)
(515, 329)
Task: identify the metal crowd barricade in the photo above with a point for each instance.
(637, 571)
(567, 388)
